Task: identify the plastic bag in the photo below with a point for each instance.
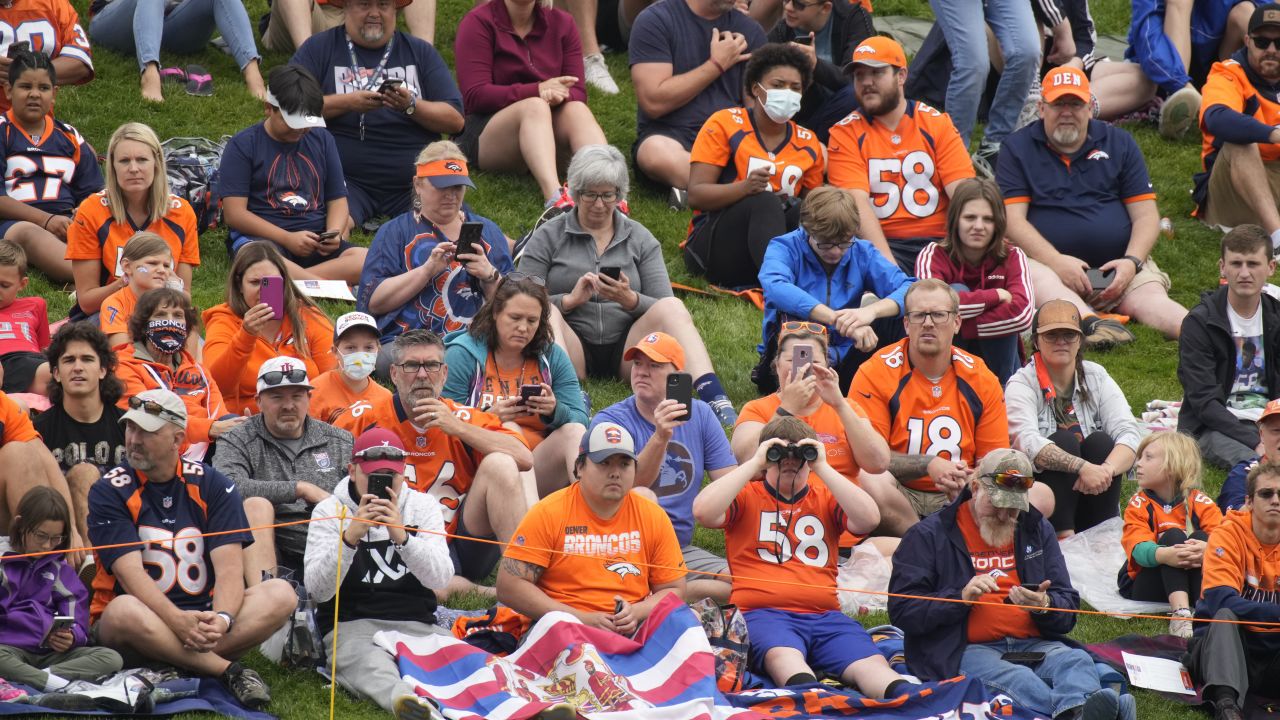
(866, 569)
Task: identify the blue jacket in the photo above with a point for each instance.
(795, 281)
(32, 592)
(1231, 496)
(466, 355)
(1150, 48)
(933, 561)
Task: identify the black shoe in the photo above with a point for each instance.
(1227, 710)
(1101, 705)
(247, 686)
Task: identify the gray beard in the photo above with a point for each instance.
(995, 533)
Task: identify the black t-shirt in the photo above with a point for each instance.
(100, 443)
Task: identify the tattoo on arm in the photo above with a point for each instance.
(908, 467)
(523, 570)
(1053, 457)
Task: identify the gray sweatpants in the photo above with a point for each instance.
(81, 663)
(367, 671)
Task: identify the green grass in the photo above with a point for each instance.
(1145, 369)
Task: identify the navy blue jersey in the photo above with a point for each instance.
(286, 184)
(54, 174)
(171, 517)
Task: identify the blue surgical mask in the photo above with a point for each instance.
(780, 104)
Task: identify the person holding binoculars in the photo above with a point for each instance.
(786, 527)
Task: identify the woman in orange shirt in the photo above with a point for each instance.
(243, 333)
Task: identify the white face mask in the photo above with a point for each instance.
(780, 104)
(358, 365)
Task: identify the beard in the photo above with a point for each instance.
(996, 532)
(1065, 135)
(372, 36)
(888, 101)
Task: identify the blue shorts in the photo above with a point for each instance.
(831, 641)
(235, 241)
(368, 203)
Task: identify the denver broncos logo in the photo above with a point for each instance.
(651, 338)
(293, 200)
(453, 166)
(1097, 155)
(623, 569)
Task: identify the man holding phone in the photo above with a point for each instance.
(394, 553)
(992, 546)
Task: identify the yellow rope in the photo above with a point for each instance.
(337, 589)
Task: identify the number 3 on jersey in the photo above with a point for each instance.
(811, 546)
(907, 183)
(943, 435)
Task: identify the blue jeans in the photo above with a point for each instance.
(141, 27)
(1015, 28)
(1062, 682)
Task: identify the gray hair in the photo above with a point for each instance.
(411, 339)
(598, 165)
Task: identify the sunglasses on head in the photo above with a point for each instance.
(151, 407)
(804, 326)
(376, 454)
(275, 377)
(1012, 480)
(516, 276)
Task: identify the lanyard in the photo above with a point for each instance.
(378, 72)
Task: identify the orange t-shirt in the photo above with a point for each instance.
(94, 235)
(589, 559)
(498, 386)
(960, 417)
(768, 538)
(52, 27)
(904, 170)
(116, 311)
(1145, 518)
(988, 623)
(1235, 559)
(440, 464)
(333, 402)
(190, 381)
(15, 425)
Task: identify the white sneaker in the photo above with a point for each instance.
(1180, 114)
(1180, 624)
(598, 75)
(1030, 107)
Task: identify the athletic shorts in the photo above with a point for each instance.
(603, 361)
(469, 139)
(905, 251)
(20, 370)
(831, 641)
(235, 241)
(472, 560)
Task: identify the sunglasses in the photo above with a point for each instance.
(804, 326)
(275, 377)
(1265, 43)
(1266, 493)
(151, 407)
(376, 454)
(1012, 480)
(517, 276)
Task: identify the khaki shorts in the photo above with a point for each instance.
(277, 38)
(1150, 273)
(925, 503)
(1225, 208)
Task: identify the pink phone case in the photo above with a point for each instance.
(272, 293)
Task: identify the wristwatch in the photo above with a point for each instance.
(1137, 264)
(231, 619)
(413, 103)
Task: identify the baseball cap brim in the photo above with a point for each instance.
(649, 352)
(297, 121)
(441, 182)
(145, 420)
(849, 66)
(600, 456)
(372, 466)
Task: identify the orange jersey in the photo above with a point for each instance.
(729, 141)
(767, 538)
(94, 235)
(1228, 86)
(1235, 559)
(116, 311)
(589, 559)
(234, 355)
(1146, 518)
(904, 170)
(51, 27)
(333, 402)
(496, 386)
(440, 464)
(961, 417)
(988, 623)
(15, 425)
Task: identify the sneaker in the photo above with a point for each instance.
(88, 571)
(559, 711)
(1227, 710)
(8, 693)
(724, 411)
(413, 707)
(1101, 334)
(1180, 624)
(678, 199)
(1180, 114)
(1030, 107)
(984, 160)
(1128, 708)
(1101, 705)
(597, 74)
(247, 686)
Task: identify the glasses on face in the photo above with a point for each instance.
(803, 326)
(376, 454)
(801, 6)
(591, 197)
(1263, 43)
(1061, 337)
(1012, 480)
(151, 407)
(412, 367)
(516, 276)
(937, 316)
(275, 377)
(42, 538)
(845, 245)
(1266, 493)
(1072, 105)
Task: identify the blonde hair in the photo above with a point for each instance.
(1181, 458)
(12, 255)
(440, 150)
(144, 245)
(829, 214)
(158, 201)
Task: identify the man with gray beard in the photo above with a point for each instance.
(1079, 200)
(995, 552)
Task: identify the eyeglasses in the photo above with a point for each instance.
(46, 539)
(1067, 104)
(800, 5)
(413, 368)
(937, 316)
(830, 245)
(1266, 493)
(1265, 43)
(591, 197)
(1061, 337)
(517, 276)
(376, 454)
(275, 377)
(1012, 480)
(151, 407)
(803, 326)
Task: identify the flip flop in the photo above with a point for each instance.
(173, 74)
(199, 81)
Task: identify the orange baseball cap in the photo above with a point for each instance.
(1271, 408)
(1065, 80)
(658, 347)
(877, 51)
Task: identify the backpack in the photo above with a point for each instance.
(191, 164)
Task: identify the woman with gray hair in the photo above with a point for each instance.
(608, 280)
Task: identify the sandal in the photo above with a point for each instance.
(199, 81)
(173, 74)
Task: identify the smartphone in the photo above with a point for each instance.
(380, 484)
(389, 85)
(613, 272)
(60, 622)
(617, 605)
(1033, 587)
(680, 389)
(802, 40)
(271, 292)
(1028, 659)
(469, 239)
(19, 46)
(329, 235)
(801, 359)
(528, 391)
(1100, 280)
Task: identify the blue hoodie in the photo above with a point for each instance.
(466, 355)
(795, 281)
(32, 591)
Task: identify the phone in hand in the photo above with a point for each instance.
(380, 484)
(680, 389)
(328, 235)
(1100, 280)
(1027, 659)
(60, 623)
(801, 359)
(613, 272)
(271, 292)
(1033, 587)
(802, 40)
(19, 46)
(528, 391)
(389, 85)
(469, 239)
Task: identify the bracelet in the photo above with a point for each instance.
(1137, 264)
(718, 66)
(45, 226)
(781, 412)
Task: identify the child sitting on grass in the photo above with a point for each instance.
(1166, 525)
(146, 263)
(24, 326)
(344, 395)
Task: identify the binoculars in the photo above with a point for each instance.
(807, 453)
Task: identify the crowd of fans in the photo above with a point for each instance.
(448, 415)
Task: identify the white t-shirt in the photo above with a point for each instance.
(1249, 392)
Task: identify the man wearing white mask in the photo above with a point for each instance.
(343, 395)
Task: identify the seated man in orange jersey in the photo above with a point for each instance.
(595, 549)
(1240, 576)
(462, 456)
(900, 158)
(812, 394)
(992, 546)
(1240, 118)
(783, 511)
(940, 407)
